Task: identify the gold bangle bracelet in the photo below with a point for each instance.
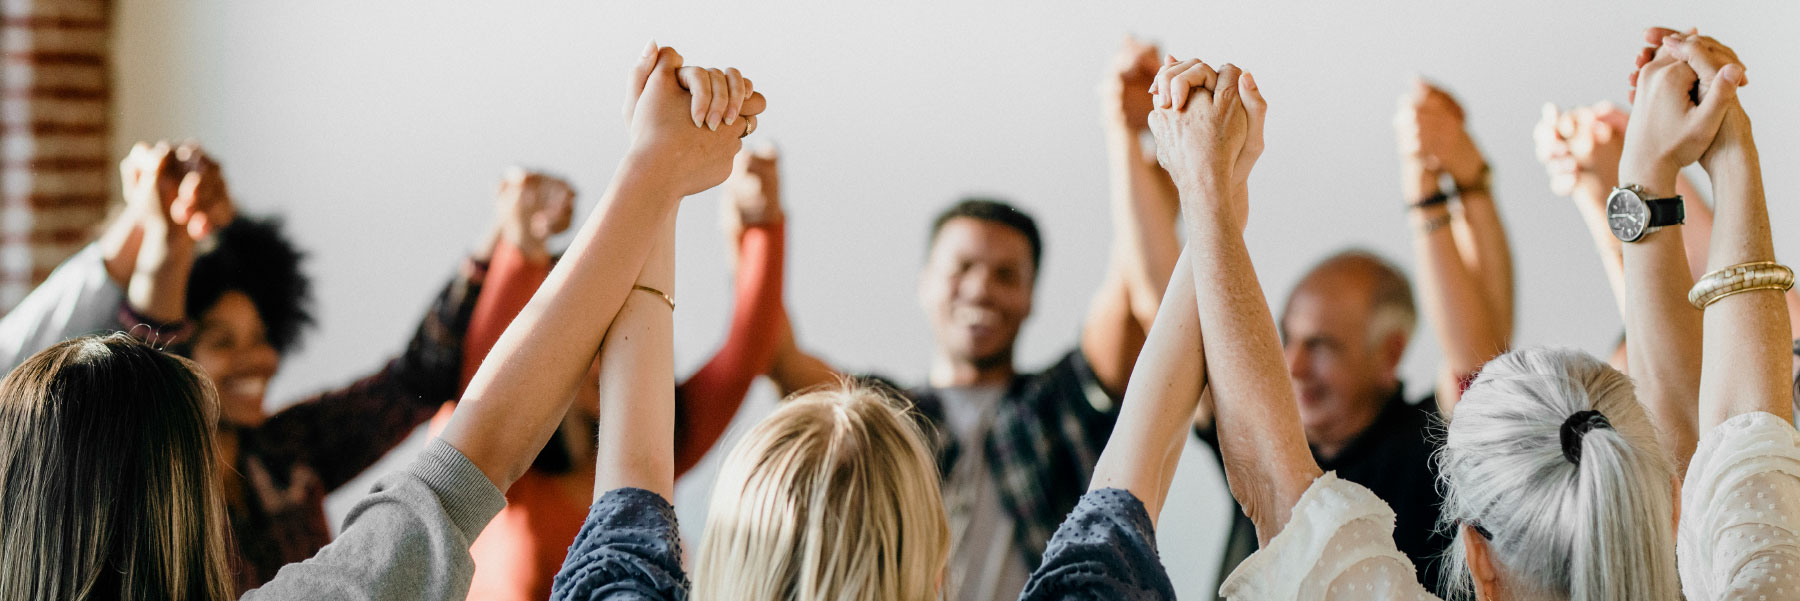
(665, 296)
(1740, 278)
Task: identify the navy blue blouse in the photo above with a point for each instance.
(630, 549)
(1106, 549)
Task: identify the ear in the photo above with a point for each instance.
(1392, 349)
(1481, 564)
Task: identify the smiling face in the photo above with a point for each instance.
(1342, 368)
(976, 290)
(232, 345)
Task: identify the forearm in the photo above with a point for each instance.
(1592, 201)
(793, 369)
(1662, 331)
(1452, 298)
(1482, 243)
(158, 283)
(1144, 214)
(511, 280)
(709, 398)
(1159, 403)
(1267, 463)
(637, 384)
(1111, 337)
(522, 391)
(1747, 341)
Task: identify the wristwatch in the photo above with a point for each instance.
(1632, 214)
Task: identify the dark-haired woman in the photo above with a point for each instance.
(236, 309)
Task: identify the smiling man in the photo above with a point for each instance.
(1016, 450)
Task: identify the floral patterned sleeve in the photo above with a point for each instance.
(341, 432)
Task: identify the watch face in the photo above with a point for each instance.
(1626, 214)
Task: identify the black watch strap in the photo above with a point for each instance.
(1665, 212)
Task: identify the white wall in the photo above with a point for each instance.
(379, 130)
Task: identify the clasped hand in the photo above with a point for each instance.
(1685, 90)
(1209, 132)
(685, 123)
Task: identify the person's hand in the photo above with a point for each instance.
(1703, 54)
(1429, 128)
(686, 123)
(1122, 90)
(151, 179)
(532, 207)
(1580, 148)
(197, 202)
(1668, 130)
(1203, 131)
(752, 195)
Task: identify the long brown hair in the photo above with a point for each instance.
(106, 476)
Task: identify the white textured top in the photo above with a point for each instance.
(1338, 545)
(1739, 536)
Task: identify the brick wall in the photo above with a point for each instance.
(55, 168)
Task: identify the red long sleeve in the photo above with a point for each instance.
(706, 402)
(510, 282)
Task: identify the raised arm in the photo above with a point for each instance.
(1266, 459)
(1747, 336)
(1663, 332)
(1144, 212)
(522, 390)
(1465, 265)
(707, 400)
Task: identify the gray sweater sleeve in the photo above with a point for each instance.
(78, 298)
(409, 539)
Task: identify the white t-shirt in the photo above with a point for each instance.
(986, 564)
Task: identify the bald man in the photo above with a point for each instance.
(1344, 329)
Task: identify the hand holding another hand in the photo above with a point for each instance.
(1669, 130)
(686, 122)
(1580, 148)
(1430, 130)
(1209, 132)
(1122, 89)
(532, 207)
(752, 195)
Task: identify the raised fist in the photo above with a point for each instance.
(1580, 148)
(532, 207)
(685, 123)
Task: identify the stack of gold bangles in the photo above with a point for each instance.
(1743, 277)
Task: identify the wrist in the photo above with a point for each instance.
(646, 178)
(1655, 176)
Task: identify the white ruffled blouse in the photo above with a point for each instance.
(1739, 537)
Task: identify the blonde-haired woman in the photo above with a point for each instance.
(106, 444)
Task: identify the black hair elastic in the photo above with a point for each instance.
(1577, 426)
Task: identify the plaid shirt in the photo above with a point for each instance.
(1047, 433)
(287, 465)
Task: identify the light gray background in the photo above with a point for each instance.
(380, 130)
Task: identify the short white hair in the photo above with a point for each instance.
(1597, 528)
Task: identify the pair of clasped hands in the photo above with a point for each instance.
(1582, 147)
(686, 123)
(1208, 125)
